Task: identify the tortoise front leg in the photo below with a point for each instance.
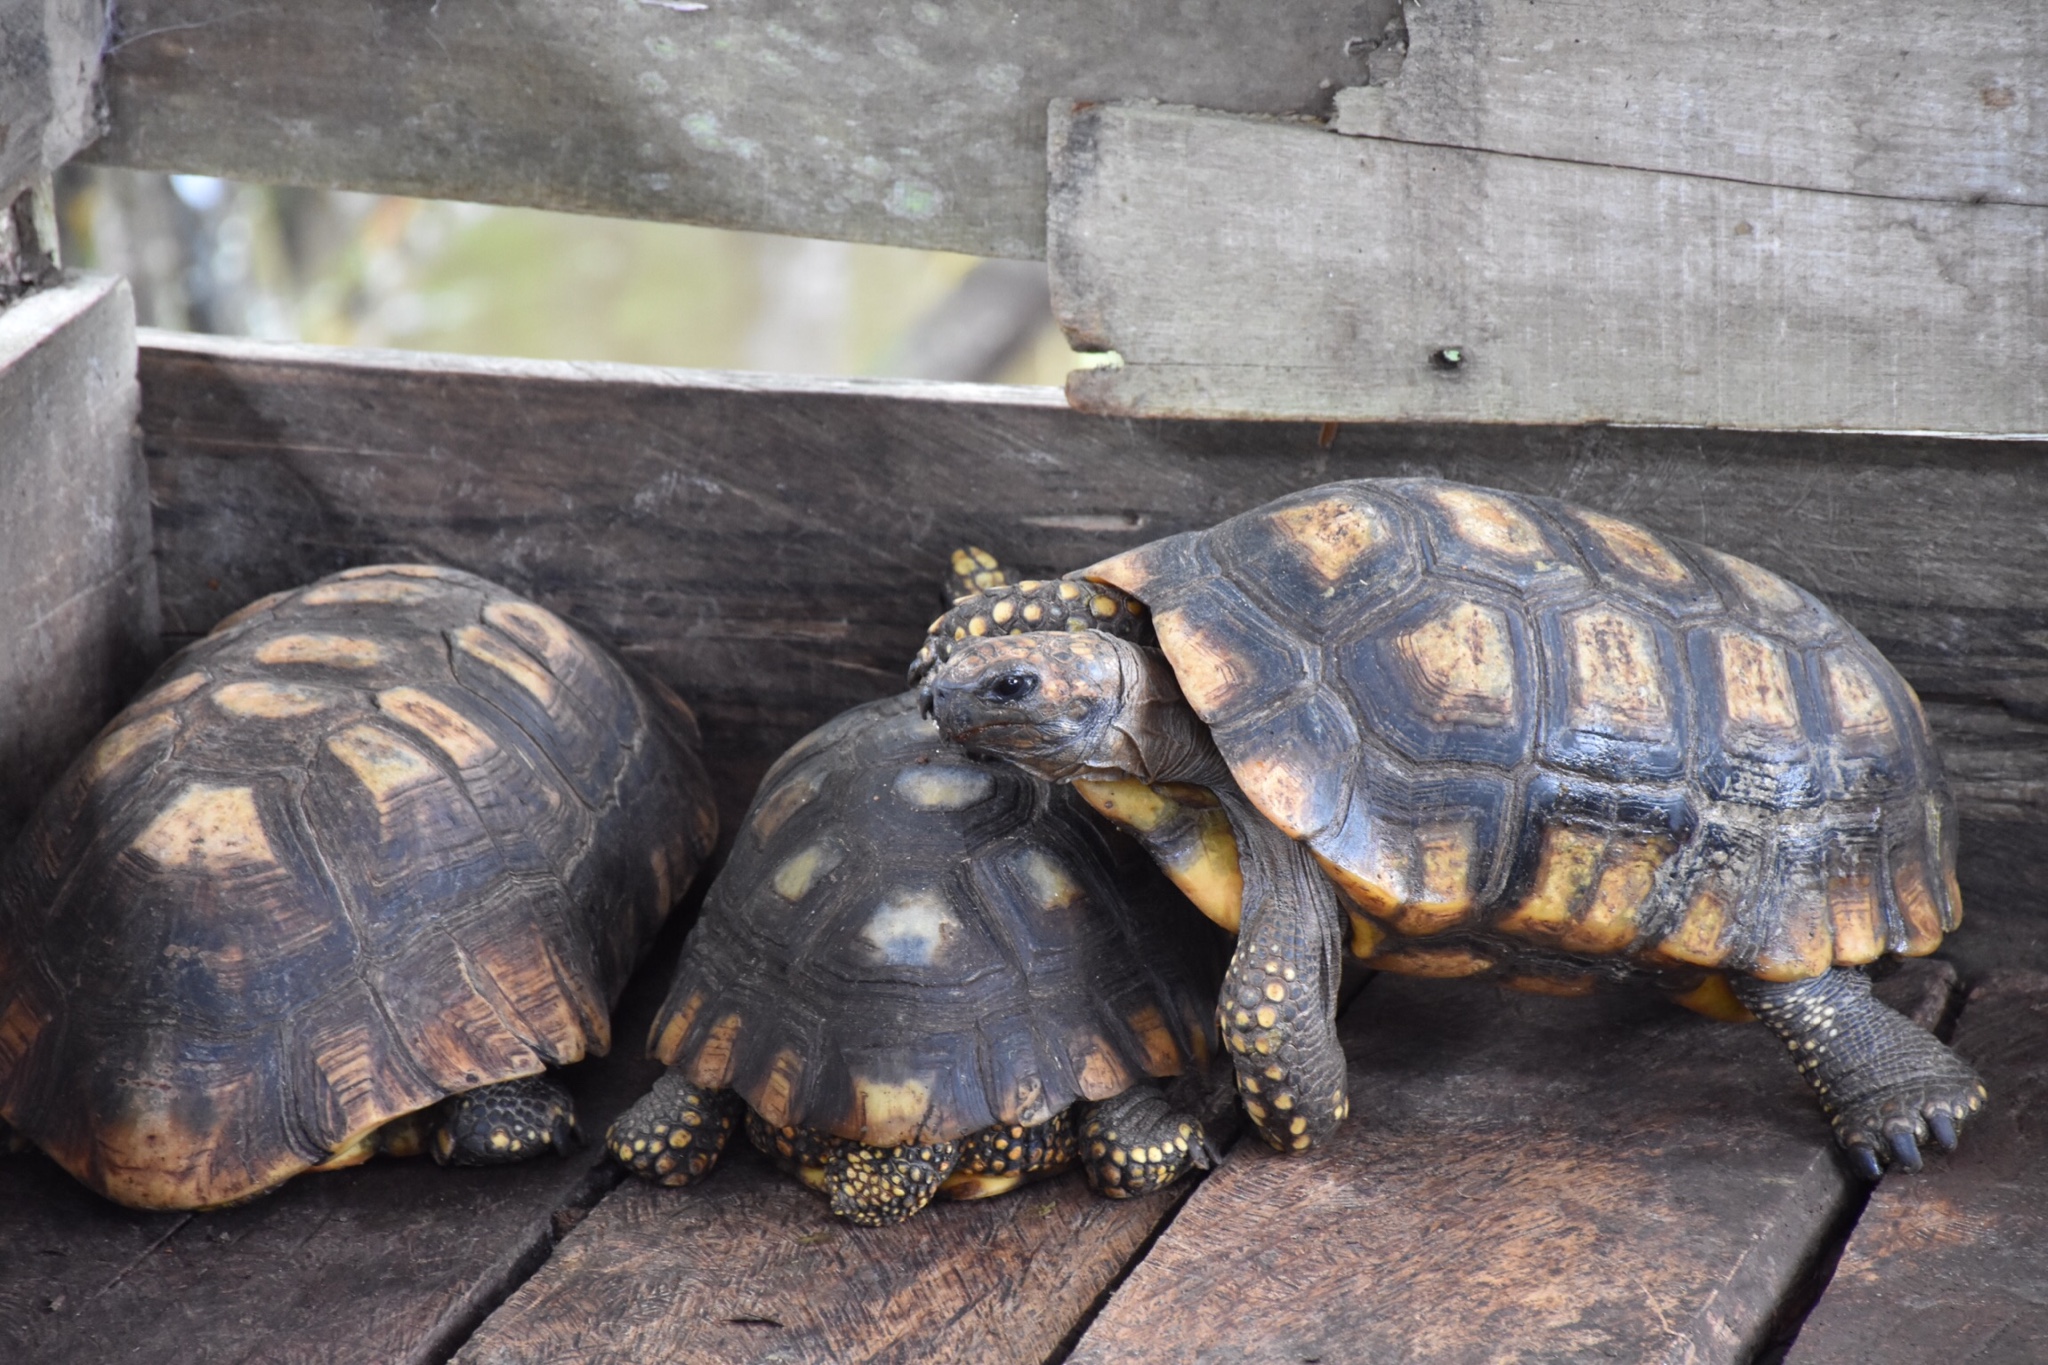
(1278, 1009)
(1887, 1084)
(675, 1133)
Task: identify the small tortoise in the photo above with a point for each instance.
(390, 838)
(1501, 734)
(912, 968)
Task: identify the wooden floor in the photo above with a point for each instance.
(1525, 1179)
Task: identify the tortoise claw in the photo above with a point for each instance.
(1943, 1128)
(1864, 1158)
(1905, 1151)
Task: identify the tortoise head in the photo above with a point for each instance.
(1053, 702)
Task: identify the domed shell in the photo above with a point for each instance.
(1503, 716)
(379, 840)
(909, 945)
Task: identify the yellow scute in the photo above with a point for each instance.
(208, 829)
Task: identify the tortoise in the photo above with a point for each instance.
(923, 974)
(356, 869)
(1466, 732)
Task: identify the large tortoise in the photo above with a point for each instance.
(916, 971)
(396, 836)
(1502, 734)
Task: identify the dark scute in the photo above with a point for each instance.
(1256, 554)
(1398, 712)
(1746, 765)
(1696, 596)
(1390, 797)
(1262, 659)
(1612, 754)
(1669, 812)
(1301, 745)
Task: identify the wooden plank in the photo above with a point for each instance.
(394, 1261)
(1863, 96)
(1951, 1267)
(750, 1266)
(1341, 278)
(78, 603)
(49, 97)
(914, 124)
(1522, 1180)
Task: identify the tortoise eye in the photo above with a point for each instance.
(1011, 688)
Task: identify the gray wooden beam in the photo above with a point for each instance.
(1261, 269)
(1883, 97)
(78, 601)
(49, 101)
(918, 124)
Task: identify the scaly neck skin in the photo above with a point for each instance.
(1156, 736)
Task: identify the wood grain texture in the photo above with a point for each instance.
(393, 1261)
(914, 124)
(1521, 1180)
(49, 96)
(1863, 96)
(1952, 1266)
(1324, 283)
(78, 602)
(750, 1266)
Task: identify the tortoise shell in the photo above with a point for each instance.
(909, 945)
(382, 839)
(1512, 728)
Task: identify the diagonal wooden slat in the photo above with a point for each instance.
(1955, 1266)
(1522, 1180)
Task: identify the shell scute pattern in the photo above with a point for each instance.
(977, 953)
(1768, 792)
(316, 887)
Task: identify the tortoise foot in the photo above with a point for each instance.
(877, 1186)
(1003, 1156)
(1136, 1143)
(1889, 1086)
(675, 1133)
(496, 1125)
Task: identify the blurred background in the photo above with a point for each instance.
(286, 264)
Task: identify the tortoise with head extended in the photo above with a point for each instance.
(395, 837)
(1477, 732)
(925, 974)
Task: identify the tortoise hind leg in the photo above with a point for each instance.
(1887, 1084)
(495, 1125)
(675, 1133)
(870, 1186)
(1005, 1155)
(1136, 1143)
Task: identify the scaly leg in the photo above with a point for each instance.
(1135, 1143)
(1887, 1084)
(674, 1134)
(495, 1125)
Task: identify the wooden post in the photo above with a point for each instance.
(78, 600)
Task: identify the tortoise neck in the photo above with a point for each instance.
(1167, 742)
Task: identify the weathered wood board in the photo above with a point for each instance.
(1955, 1267)
(49, 86)
(768, 546)
(1862, 96)
(77, 584)
(751, 1267)
(1521, 1180)
(1360, 279)
(393, 1261)
(911, 124)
